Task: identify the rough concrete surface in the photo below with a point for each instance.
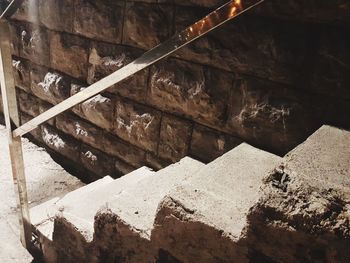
(205, 219)
(45, 180)
(304, 213)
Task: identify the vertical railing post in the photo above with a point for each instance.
(15, 145)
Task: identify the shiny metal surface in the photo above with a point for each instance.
(11, 9)
(215, 19)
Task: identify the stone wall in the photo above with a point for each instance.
(270, 78)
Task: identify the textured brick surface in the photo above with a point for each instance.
(270, 77)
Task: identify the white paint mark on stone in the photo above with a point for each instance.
(93, 158)
(98, 99)
(80, 131)
(53, 139)
(49, 80)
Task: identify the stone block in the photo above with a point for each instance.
(69, 54)
(282, 47)
(205, 218)
(104, 59)
(303, 215)
(330, 75)
(36, 133)
(190, 89)
(322, 11)
(34, 44)
(21, 74)
(28, 103)
(98, 110)
(15, 32)
(123, 168)
(201, 3)
(74, 89)
(337, 112)
(57, 14)
(123, 150)
(60, 143)
(147, 25)
(43, 107)
(49, 85)
(208, 144)
(137, 124)
(271, 116)
(101, 20)
(27, 12)
(175, 136)
(80, 130)
(156, 162)
(97, 162)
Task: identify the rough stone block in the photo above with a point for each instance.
(69, 54)
(34, 44)
(156, 162)
(123, 150)
(137, 124)
(205, 219)
(57, 14)
(175, 136)
(60, 143)
(200, 3)
(104, 59)
(28, 103)
(27, 12)
(330, 75)
(272, 116)
(147, 25)
(208, 144)
(304, 212)
(190, 89)
(45, 106)
(48, 85)
(36, 133)
(282, 47)
(97, 162)
(123, 168)
(99, 20)
(131, 213)
(99, 110)
(15, 37)
(81, 130)
(21, 74)
(323, 11)
(74, 89)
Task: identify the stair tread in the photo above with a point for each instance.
(137, 206)
(222, 193)
(323, 160)
(82, 204)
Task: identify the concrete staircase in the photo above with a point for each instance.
(246, 206)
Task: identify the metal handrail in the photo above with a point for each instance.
(215, 19)
(11, 9)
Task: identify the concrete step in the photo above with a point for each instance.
(246, 206)
(204, 220)
(123, 225)
(42, 215)
(306, 203)
(79, 207)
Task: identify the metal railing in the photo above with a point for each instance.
(213, 20)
